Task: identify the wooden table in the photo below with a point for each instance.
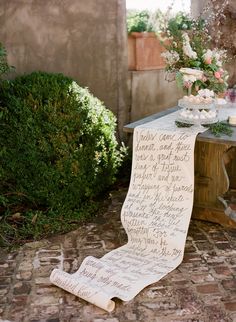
(215, 172)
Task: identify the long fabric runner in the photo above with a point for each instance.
(155, 215)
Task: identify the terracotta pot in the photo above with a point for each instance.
(144, 51)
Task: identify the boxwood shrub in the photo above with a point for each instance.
(57, 143)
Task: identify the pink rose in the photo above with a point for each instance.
(217, 75)
(208, 60)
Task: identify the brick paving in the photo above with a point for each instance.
(201, 289)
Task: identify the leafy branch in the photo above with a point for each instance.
(216, 129)
(4, 67)
(220, 128)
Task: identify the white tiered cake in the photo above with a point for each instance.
(198, 109)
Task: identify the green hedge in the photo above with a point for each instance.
(57, 143)
(139, 21)
(4, 67)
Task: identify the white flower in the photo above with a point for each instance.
(198, 74)
(206, 93)
(187, 49)
(208, 55)
(171, 57)
(185, 37)
(216, 53)
(219, 56)
(189, 78)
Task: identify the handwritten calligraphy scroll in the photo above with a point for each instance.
(155, 216)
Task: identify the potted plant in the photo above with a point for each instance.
(144, 47)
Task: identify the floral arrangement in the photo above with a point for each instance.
(190, 56)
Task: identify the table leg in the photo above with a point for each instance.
(211, 182)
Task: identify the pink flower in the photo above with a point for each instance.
(208, 56)
(208, 60)
(221, 71)
(187, 84)
(217, 75)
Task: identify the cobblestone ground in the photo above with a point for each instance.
(201, 289)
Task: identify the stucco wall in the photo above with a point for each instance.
(87, 40)
(151, 93)
(84, 39)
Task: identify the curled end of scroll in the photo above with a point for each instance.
(110, 306)
(77, 287)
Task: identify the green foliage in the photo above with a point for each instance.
(179, 79)
(4, 67)
(220, 128)
(181, 124)
(57, 143)
(216, 129)
(139, 21)
(18, 228)
(181, 22)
